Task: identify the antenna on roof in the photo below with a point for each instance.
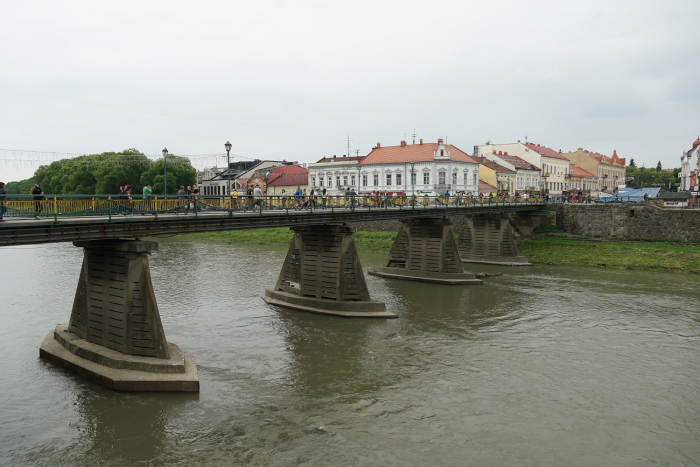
(349, 145)
(525, 139)
(414, 136)
(357, 153)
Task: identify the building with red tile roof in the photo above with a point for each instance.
(421, 169)
(288, 182)
(554, 167)
(609, 171)
(582, 180)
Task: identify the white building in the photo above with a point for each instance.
(425, 169)
(335, 174)
(690, 168)
(527, 175)
(555, 167)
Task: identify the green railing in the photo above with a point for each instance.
(66, 206)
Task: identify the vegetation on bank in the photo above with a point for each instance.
(105, 173)
(616, 254)
(364, 241)
(649, 254)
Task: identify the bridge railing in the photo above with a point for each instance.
(66, 206)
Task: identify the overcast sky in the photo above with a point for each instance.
(289, 80)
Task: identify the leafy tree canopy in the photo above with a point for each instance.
(105, 173)
(668, 181)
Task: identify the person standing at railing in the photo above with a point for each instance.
(38, 197)
(147, 203)
(257, 198)
(234, 199)
(3, 209)
(195, 196)
(324, 198)
(297, 198)
(181, 198)
(129, 209)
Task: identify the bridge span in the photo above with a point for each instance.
(115, 336)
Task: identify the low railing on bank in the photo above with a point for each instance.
(66, 206)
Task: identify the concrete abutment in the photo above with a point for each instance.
(488, 239)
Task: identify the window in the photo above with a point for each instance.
(441, 178)
(352, 180)
(345, 180)
(388, 179)
(313, 181)
(364, 180)
(320, 181)
(376, 180)
(466, 178)
(413, 178)
(454, 178)
(330, 181)
(398, 179)
(476, 180)
(337, 181)
(426, 178)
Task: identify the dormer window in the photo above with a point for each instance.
(442, 153)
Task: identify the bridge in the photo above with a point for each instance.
(115, 336)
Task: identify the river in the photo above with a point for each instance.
(541, 366)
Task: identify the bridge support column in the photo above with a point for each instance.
(425, 250)
(489, 240)
(322, 274)
(115, 336)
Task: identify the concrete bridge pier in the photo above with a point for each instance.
(425, 250)
(322, 274)
(488, 239)
(115, 336)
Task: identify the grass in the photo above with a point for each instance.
(649, 256)
(643, 255)
(364, 241)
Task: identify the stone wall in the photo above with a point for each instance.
(626, 220)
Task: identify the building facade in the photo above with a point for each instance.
(690, 168)
(609, 171)
(424, 169)
(335, 174)
(527, 175)
(554, 167)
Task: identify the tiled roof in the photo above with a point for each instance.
(579, 172)
(340, 159)
(614, 160)
(483, 186)
(517, 162)
(493, 166)
(290, 179)
(286, 169)
(413, 153)
(545, 151)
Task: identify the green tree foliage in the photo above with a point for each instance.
(668, 181)
(658, 166)
(105, 173)
(632, 164)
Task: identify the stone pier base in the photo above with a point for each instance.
(488, 239)
(117, 371)
(322, 274)
(425, 250)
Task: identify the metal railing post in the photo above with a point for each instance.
(109, 206)
(55, 209)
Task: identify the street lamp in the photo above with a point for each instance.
(228, 164)
(165, 172)
(413, 179)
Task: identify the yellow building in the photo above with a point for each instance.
(609, 171)
(496, 175)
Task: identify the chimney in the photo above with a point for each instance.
(334, 156)
(379, 145)
(440, 141)
(421, 141)
(505, 153)
(403, 143)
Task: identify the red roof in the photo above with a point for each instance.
(286, 169)
(614, 160)
(517, 162)
(579, 172)
(545, 151)
(495, 167)
(413, 153)
(483, 186)
(290, 179)
(340, 159)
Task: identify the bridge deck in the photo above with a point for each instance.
(25, 231)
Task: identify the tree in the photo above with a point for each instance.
(105, 173)
(632, 163)
(658, 166)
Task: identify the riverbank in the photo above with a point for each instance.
(615, 254)
(553, 250)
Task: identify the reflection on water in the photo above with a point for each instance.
(540, 366)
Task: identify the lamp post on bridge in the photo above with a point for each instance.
(228, 164)
(165, 172)
(413, 179)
